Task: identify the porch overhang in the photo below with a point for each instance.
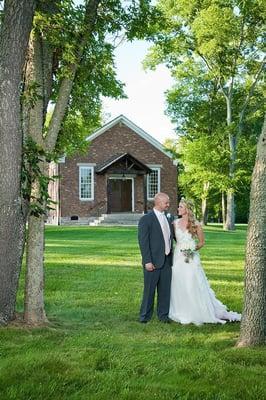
(123, 164)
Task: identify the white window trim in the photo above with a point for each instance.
(159, 181)
(91, 167)
(86, 164)
(154, 166)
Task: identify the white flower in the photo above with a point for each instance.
(168, 215)
(188, 248)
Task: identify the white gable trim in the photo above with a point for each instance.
(134, 127)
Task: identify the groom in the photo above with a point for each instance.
(155, 236)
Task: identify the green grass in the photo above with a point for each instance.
(95, 349)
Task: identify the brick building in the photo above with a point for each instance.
(121, 172)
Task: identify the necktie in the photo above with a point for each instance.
(165, 229)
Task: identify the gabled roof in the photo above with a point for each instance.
(134, 127)
(121, 157)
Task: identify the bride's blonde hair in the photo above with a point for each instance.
(192, 222)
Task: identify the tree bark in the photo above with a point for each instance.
(223, 210)
(14, 36)
(230, 213)
(230, 206)
(204, 210)
(34, 289)
(34, 312)
(253, 324)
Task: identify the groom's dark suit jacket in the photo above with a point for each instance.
(151, 240)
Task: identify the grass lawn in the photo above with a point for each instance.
(95, 348)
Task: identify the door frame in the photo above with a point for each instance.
(120, 177)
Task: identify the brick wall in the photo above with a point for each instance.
(118, 139)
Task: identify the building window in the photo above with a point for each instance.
(86, 183)
(153, 183)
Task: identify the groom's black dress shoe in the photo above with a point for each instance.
(143, 321)
(165, 321)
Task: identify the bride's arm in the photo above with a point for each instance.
(200, 236)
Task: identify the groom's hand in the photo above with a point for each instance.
(149, 267)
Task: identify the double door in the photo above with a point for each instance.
(119, 195)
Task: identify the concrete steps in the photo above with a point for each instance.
(127, 219)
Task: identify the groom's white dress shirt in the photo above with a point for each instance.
(165, 229)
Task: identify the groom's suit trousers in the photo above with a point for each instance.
(160, 279)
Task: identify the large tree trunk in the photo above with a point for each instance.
(14, 36)
(36, 72)
(34, 293)
(253, 325)
(34, 312)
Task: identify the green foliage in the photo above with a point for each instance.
(65, 28)
(33, 155)
(214, 50)
(67, 38)
(95, 349)
(225, 35)
(215, 28)
(203, 164)
(73, 134)
(31, 95)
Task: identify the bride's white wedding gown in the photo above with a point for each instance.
(192, 299)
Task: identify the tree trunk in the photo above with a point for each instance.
(253, 325)
(34, 312)
(230, 211)
(230, 214)
(204, 210)
(223, 210)
(34, 293)
(14, 36)
(34, 308)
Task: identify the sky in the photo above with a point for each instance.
(145, 104)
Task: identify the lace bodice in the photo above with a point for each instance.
(183, 236)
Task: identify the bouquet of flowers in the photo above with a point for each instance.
(188, 248)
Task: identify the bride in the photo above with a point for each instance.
(192, 299)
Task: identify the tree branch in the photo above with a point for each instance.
(67, 82)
